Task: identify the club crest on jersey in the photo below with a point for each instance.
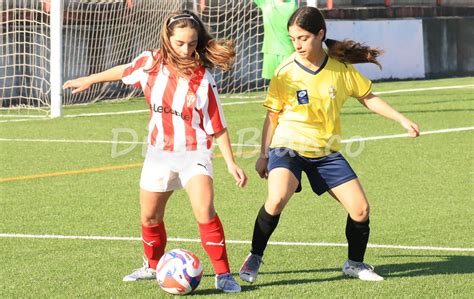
(302, 96)
(190, 98)
(332, 92)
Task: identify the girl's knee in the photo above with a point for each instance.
(361, 214)
(149, 221)
(275, 206)
(204, 214)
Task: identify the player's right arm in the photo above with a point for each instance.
(269, 126)
(83, 83)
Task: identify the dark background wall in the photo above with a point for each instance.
(448, 46)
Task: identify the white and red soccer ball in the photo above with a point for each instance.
(179, 272)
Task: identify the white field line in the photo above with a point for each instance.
(146, 110)
(407, 135)
(235, 144)
(117, 113)
(425, 89)
(23, 119)
(242, 103)
(18, 115)
(107, 113)
(71, 141)
(108, 238)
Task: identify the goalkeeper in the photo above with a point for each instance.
(302, 133)
(185, 117)
(276, 43)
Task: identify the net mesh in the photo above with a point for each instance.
(99, 34)
(24, 55)
(105, 34)
(240, 21)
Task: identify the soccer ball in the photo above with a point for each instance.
(179, 272)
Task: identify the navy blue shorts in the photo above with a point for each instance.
(323, 173)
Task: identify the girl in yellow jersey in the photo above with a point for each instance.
(301, 133)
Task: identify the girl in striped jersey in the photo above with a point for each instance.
(185, 116)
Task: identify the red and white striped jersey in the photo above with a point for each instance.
(184, 114)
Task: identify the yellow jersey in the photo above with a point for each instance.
(309, 104)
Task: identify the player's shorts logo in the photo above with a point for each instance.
(200, 164)
(302, 96)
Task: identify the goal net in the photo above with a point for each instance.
(99, 34)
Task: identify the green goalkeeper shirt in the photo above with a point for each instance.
(276, 14)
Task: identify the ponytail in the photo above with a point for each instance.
(349, 51)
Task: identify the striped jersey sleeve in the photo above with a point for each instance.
(133, 72)
(213, 121)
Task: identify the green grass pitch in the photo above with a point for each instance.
(420, 190)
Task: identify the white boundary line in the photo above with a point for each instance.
(108, 238)
(242, 103)
(235, 144)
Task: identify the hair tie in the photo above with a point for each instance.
(329, 42)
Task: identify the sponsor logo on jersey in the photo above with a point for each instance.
(169, 110)
(302, 96)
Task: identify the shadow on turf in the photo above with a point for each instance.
(249, 287)
(297, 281)
(452, 264)
(449, 265)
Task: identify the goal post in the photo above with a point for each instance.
(44, 43)
(56, 57)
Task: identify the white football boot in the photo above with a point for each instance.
(143, 273)
(360, 270)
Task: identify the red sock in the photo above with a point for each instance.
(154, 242)
(213, 241)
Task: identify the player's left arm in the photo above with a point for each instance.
(223, 141)
(379, 106)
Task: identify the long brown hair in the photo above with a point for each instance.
(209, 53)
(346, 51)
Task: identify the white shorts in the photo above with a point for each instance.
(168, 171)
